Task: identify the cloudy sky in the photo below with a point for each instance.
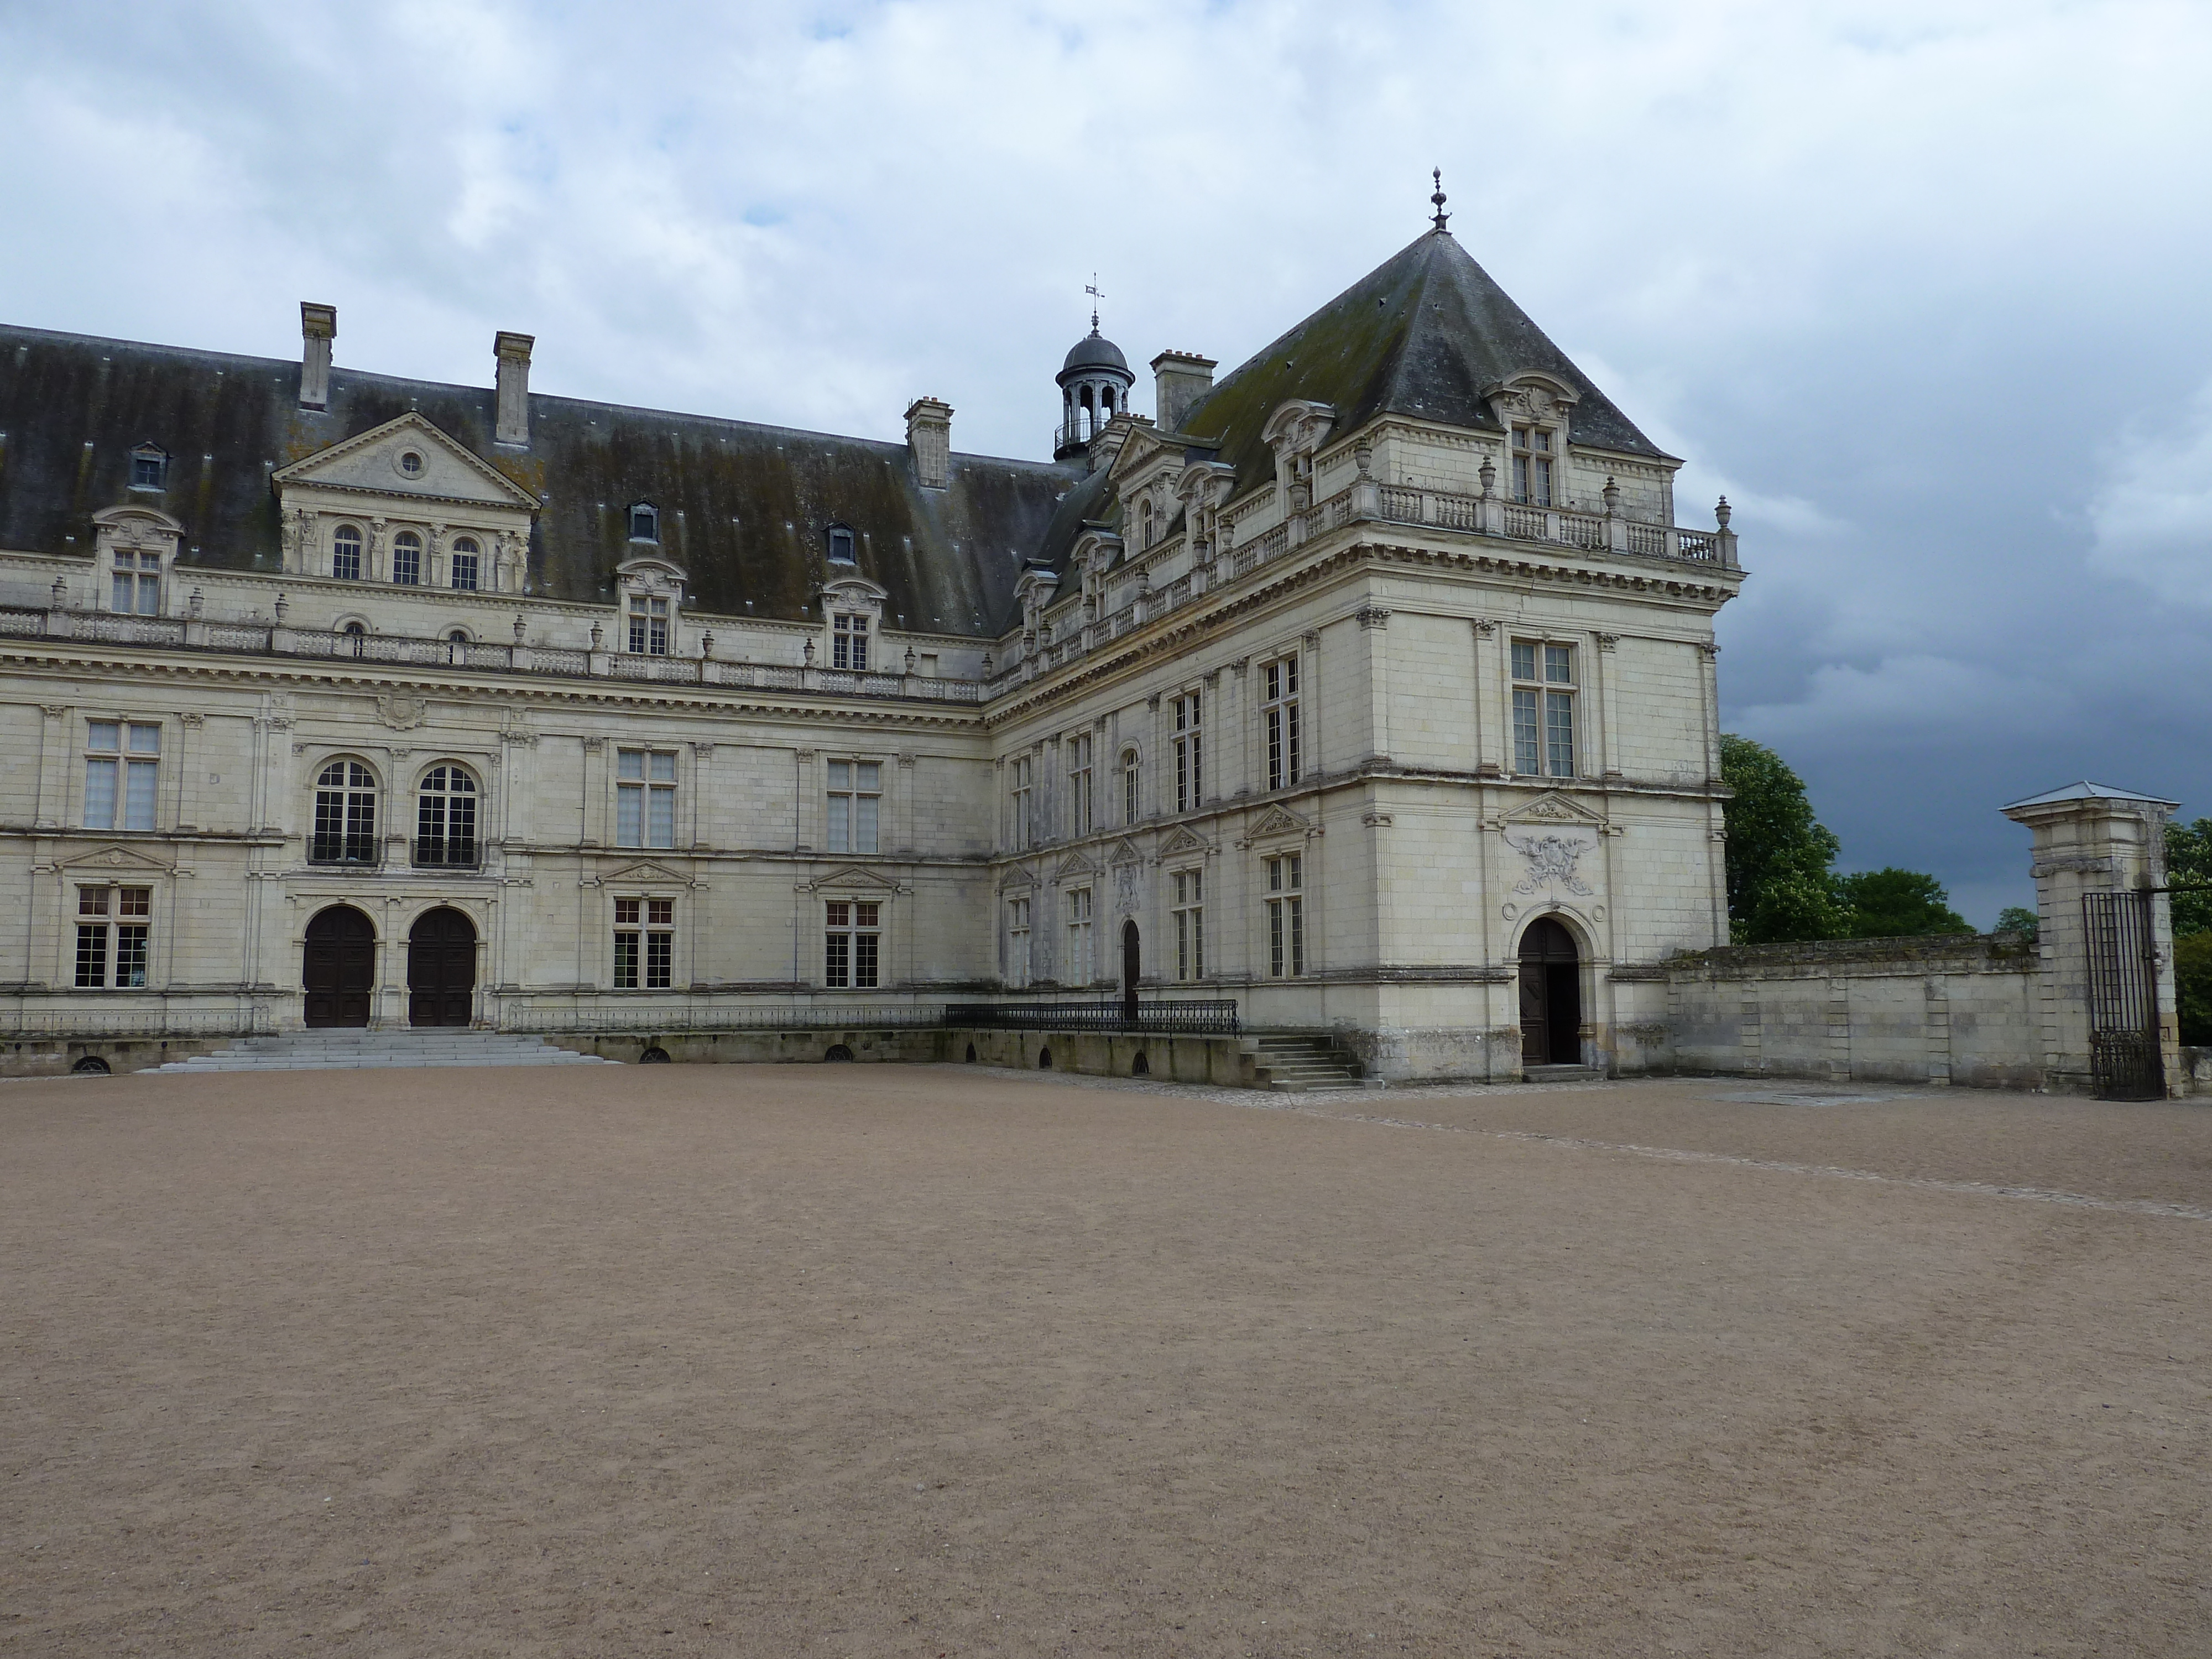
(1921, 286)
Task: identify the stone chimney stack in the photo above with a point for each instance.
(513, 403)
(319, 327)
(1181, 381)
(929, 436)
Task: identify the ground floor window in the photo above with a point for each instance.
(1079, 970)
(111, 937)
(645, 944)
(1286, 916)
(1017, 941)
(853, 944)
(1190, 924)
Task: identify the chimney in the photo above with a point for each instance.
(319, 327)
(929, 435)
(1181, 381)
(512, 425)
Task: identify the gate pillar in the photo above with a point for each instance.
(2092, 839)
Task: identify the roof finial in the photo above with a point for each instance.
(1096, 294)
(1437, 174)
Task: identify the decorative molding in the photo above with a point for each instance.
(190, 717)
(1374, 820)
(1181, 840)
(1607, 641)
(593, 745)
(1485, 626)
(1278, 821)
(1373, 616)
(400, 711)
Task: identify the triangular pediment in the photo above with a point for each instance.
(1278, 821)
(1074, 865)
(115, 860)
(855, 879)
(1553, 807)
(373, 463)
(1183, 838)
(1125, 851)
(644, 874)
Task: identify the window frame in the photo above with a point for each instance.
(150, 455)
(848, 640)
(120, 937)
(860, 790)
(835, 535)
(1282, 721)
(853, 939)
(135, 576)
(132, 792)
(1133, 786)
(654, 792)
(358, 842)
(405, 542)
(465, 560)
(1082, 818)
(644, 514)
(1543, 705)
(1186, 911)
(348, 545)
(651, 624)
(469, 845)
(1019, 917)
(644, 940)
(1534, 452)
(1287, 933)
(1080, 906)
(1021, 796)
(1187, 713)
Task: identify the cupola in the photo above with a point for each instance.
(1094, 387)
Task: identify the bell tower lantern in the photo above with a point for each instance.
(1094, 387)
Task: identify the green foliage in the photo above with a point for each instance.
(1779, 854)
(1896, 904)
(2015, 919)
(2189, 866)
(2192, 979)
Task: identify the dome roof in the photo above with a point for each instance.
(1093, 350)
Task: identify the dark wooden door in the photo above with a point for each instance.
(1550, 996)
(1130, 964)
(339, 970)
(442, 969)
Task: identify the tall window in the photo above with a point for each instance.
(345, 553)
(848, 643)
(1079, 970)
(855, 805)
(1021, 780)
(650, 946)
(852, 948)
(463, 566)
(407, 558)
(1017, 941)
(1190, 924)
(1079, 785)
(649, 625)
(644, 522)
(1188, 758)
(1279, 709)
(111, 937)
(1286, 916)
(1532, 465)
(1144, 523)
(345, 815)
(1132, 792)
(121, 767)
(1543, 708)
(841, 544)
(645, 798)
(137, 583)
(445, 818)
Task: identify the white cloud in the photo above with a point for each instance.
(2152, 513)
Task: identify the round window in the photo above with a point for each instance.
(412, 465)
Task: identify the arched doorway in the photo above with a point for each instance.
(442, 969)
(1550, 996)
(339, 967)
(1131, 962)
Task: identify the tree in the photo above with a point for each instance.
(2016, 919)
(1779, 854)
(2189, 871)
(2192, 981)
(1892, 903)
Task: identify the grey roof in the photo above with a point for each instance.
(2087, 791)
(1094, 351)
(745, 508)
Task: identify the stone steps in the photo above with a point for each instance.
(1301, 1065)
(353, 1050)
(1561, 1074)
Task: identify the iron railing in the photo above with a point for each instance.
(449, 854)
(1195, 1017)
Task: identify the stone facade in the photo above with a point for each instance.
(1329, 697)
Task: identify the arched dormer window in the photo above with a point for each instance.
(841, 544)
(149, 467)
(466, 556)
(345, 815)
(644, 522)
(345, 553)
(1145, 523)
(407, 558)
(356, 637)
(445, 818)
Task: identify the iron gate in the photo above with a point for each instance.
(2124, 1053)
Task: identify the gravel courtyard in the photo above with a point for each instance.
(881, 1360)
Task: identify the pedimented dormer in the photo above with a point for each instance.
(404, 504)
(853, 625)
(649, 592)
(1296, 432)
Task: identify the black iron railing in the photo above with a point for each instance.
(1209, 1016)
(448, 854)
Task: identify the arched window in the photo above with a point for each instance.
(345, 815)
(345, 553)
(445, 819)
(841, 544)
(1132, 780)
(1144, 519)
(407, 558)
(465, 563)
(356, 635)
(644, 522)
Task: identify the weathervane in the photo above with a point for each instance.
(1096, 294)
(1437, 174)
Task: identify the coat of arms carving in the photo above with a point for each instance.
(1552, 862)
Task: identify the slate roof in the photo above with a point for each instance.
(2087, 791)
(744, 507)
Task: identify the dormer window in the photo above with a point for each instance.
(649, 625)
(848, 645)
(1145, 523)
(644, 522)
(841, 544)
(149, 467)
(1532, 465)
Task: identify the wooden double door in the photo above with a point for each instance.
(339, 969)
(442, 969)
(1550, 996)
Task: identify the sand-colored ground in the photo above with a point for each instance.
(874, 1360)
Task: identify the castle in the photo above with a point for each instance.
(1369, 688)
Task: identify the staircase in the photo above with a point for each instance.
(1561, 1074)
(351, 1050)
(1301, 1065)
